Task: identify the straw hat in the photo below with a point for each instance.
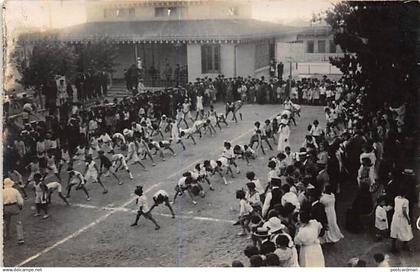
(8, 183)
(261, 232)
(273, 225)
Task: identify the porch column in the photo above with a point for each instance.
(227, 59)
(193, 61)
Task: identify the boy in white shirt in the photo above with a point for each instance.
(245, 212)
(381, 219)
(55, 186)
(143, 208)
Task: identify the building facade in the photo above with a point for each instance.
(203, 38)
(309, 53)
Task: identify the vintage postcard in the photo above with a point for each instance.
(210, 133)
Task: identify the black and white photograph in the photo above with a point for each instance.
(210, 133)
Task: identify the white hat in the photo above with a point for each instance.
(8, 183)
(274, 224)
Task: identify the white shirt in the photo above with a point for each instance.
(213, 164)
(11, 195)
(53, 185)
(253, 199)
(105, 138)
(266, 204)
(291, 198)
(199, 101)
(77, 175)
(91, 167)
(160, 192)
(228, 153)
(119, 136)
(142, 203)
(258, 186)
(316, 131)
(245, 207)
(272, 174)
(381, 220)
(117, 157)
(136, 128)
(289, 160)
(181, 182)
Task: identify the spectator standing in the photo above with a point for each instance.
(13, 204)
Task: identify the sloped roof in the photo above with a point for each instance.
(170, 30)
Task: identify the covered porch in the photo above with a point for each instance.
(158, 62)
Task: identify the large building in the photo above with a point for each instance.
(206, 37)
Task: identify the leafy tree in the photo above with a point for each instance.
(47, 59)
(97, 56)
(380, 42)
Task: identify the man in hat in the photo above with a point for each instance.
(143, 208)
(12, 206)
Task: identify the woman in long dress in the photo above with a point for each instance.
(307, 238)
(333, 235)
(401, 225)
(284, 134)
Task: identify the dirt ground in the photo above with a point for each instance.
(98, 232)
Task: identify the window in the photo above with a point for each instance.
(233, 11)
(333, 47)
(262, 54)
(109, 13)
(321, 46)
(131, 12)
(309, 46)
(210, 58)
(122, 13)
(167, 12)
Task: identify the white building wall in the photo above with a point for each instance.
(303, 63)
(227, 61)
(245, 60)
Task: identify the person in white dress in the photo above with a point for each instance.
(333, 234)
(200, 107)
(401, 223)
(307, 237)
(284, 134)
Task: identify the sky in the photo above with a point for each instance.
(21, 14)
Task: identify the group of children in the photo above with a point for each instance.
(191, 182)
(108, 155)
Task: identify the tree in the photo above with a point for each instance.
(47, 59)
(380, 42)
(97, 56)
